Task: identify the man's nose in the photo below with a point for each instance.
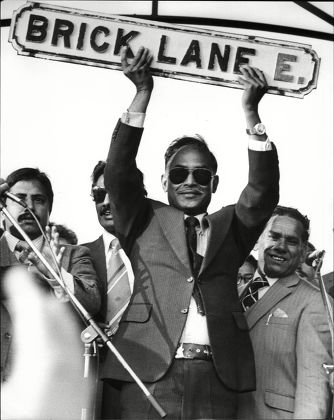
(29, 202)
(280, 244)
(106, 199)
(190, 179)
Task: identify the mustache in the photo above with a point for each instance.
(104, 209)
(27, 216)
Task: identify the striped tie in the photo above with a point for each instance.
(252, 294)
(120, 286)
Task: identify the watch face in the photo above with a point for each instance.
(260, 128)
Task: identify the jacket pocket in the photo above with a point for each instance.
(282, 402)
(137, 312)
(240, 320)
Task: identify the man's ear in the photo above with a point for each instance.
(215, 183)
(164, 182)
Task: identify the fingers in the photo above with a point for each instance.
(141, 60)
(252, 76)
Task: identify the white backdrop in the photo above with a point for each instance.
(60, 116)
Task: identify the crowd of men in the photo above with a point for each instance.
(211, 331)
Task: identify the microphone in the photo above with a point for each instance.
(313, 256)
(4, 187)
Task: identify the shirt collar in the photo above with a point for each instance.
(13, 240)
(271, 280)
(107, 238)
(202, 220)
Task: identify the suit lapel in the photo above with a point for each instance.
(172, 223)
(219, 224)
(7, 257)
(98, 256)
(282, 288)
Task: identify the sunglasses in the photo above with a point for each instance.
(98, 194)
(201, 175)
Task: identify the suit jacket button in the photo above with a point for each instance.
(190, 280)
(184, 311)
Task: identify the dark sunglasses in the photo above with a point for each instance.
(98, 194)
(201, 175)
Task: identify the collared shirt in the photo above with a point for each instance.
(264, 290)
(12, 241)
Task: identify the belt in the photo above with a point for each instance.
(193, 351)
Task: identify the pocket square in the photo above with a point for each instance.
(279, 313)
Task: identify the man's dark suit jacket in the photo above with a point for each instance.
(153, 236)
(99, 262)
(77, 261)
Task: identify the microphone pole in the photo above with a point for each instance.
(93, 330)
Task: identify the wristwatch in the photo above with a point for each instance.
(258, 129)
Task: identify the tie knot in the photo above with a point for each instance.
(115, 245)
(192, 222)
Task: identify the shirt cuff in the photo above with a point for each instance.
(260, 146)
(135, 119)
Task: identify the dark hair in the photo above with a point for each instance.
(295, 214)
(23, 174)
(252, 261)
(197, 142)
(65, 233)
(98, 171)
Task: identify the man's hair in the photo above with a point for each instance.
(27, 174)
(295, 214)
(66, 233)
(252, 261)
(196, 142)
(98, 171)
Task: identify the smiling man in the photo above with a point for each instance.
(34, 189)
(184, 333)
(288, 328)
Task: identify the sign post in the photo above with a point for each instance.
(180, 52)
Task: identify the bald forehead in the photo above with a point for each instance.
(190, 156)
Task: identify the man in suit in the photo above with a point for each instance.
(191, 349)
(288, 328)
(108, 403)
(34, 189)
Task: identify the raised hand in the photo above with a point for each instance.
(255, 86)
(139, 69)
(57, 250)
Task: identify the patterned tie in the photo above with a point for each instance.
(23, 250)
(252, 294)
(191, 223)
(120, 287)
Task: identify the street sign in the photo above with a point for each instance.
(180, 52)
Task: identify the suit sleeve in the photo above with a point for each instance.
(313, 348)
(258, 199)
(85, 278)
(124, 183)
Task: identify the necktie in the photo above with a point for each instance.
(191, 223)
(119, 285)
(252, 294)
(23, 250)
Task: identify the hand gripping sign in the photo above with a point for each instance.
(180, 52)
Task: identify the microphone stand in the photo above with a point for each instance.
(329, 368)
(93, 330)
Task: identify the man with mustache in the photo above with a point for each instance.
(184, 332)
(34, 188)
(288, 328)
(100, 252)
